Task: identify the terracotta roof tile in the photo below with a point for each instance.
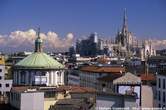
(128, 78)
(103, 69)
(148, 77)
(109, 78)
(77, 89)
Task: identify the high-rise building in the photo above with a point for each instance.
(88, 47)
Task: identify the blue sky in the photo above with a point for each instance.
(146, 18)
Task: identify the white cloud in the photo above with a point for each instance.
(159, 44)
(24, 41)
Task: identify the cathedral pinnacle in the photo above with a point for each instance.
(125, 27)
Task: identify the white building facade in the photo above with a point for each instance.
(5, 85)
(38, 77)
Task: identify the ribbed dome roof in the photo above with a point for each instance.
(39, 60)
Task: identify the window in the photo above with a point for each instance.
(163, 96)
(49, 94)
(0, 70)
(0, 77)
(0, 85)
(22, 78)
(59, 74)
(159, 95)
(59, 77)
(163, 83)
(7, 85)
(159, 105)
(159, 83)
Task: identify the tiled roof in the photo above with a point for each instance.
(110, 94)
(148, 77)
(103, 69)
(103, 60)
(71, 89)
(128, 78)
(77, 89)
(69, 102)
(22, 88)
(109, 77)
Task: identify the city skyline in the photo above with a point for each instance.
(60, 27)
(82, 54)
(146, 19)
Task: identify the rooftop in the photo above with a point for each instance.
(128, 78)
(109, 78)
(39, 60)
(69, 102)
(148, 77)
(70, 89)
(157, 58)
(103, 69)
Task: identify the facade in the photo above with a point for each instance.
(148, 97)
(92, 46)
(129, 84)
(89, 75)
(161, 90)
(73, 77)
(38, 69)
(156, 64)
(109, 101)
(44, 98)
(27, 100)
(5, 84)
(88, 47)
(147, 50)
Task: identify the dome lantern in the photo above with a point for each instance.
(38, 42)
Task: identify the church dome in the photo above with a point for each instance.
(39, 59)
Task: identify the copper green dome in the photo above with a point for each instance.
(39, 60)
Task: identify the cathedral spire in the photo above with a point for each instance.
(38, 42)
(125, 27)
